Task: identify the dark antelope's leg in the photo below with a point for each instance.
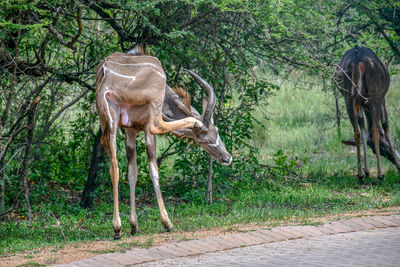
(384, 147)
(151, 153)
(364, 136)
(376, 115)
(385, 125)
(114, 172)
(132, 175)
(353, 109)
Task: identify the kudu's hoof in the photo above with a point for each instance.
(117, 234)
(168, 227)
(199, 126)
(366, 175)
(361, 179)
(134, 229)
(203, 129)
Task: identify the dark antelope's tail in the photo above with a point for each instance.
(357, 73)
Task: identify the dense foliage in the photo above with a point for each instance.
(49, 51)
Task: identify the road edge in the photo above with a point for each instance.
(230, 241)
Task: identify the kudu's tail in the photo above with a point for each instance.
(102, 106)
(138, 50)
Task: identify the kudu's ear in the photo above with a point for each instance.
(204, 103)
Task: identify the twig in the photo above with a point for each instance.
(356, 86)
(5, 165)
(48, 125)
(59, 226)
(11, 138)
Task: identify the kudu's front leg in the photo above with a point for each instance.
(132, 175)
(151, 154)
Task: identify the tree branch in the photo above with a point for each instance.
(48, 125)
(10, 139)
(123, 35)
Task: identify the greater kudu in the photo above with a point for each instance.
(131, 92)
(364, 80)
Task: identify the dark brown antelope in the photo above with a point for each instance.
(131, 92)
(364, 81)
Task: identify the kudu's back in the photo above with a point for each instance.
(126, 73)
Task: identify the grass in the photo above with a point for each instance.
(33, 264)
(130, 245)
(301, 122)
(268, 202)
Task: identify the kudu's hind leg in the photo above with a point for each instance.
(364, 137)
(385, 126)
(151, 153)
(132, 175)
(111, 150)
(158, 126)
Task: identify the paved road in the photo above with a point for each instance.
(380, 247)
(363, 241)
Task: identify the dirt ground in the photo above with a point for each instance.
(80, 251)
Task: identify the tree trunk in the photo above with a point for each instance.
(90, 186)
(337, 114)
(209, 195)
(2, 124)
(2, 186)
(26, 162)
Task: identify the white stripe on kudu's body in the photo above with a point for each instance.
(141, 65)
(133, 78)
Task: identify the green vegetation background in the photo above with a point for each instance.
(270, 63)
